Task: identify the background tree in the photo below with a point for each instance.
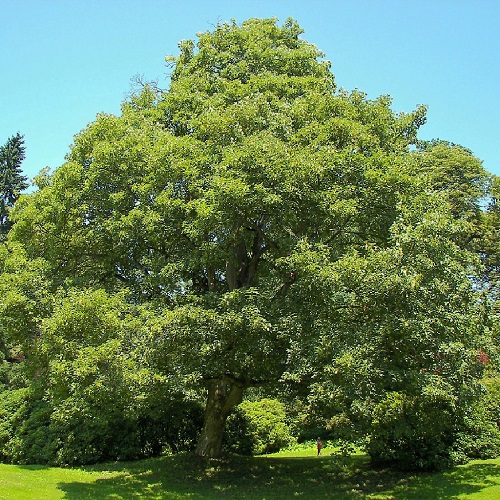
(427, 323)
(266, 223)
(12, 182)
(489, 245)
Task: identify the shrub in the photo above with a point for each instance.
(13, 408)
(492, 398)
(169, 425)
(412, 432)
(480, 437)
(166, 424)
(76, 432)
(258, 427)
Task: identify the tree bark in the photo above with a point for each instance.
(223, 395)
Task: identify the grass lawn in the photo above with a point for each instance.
(286, 475)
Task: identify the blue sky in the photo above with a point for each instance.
(64, 61)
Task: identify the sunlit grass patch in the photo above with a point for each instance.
(290, 474)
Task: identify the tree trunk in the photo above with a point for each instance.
(223, 395)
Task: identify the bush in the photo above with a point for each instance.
(412, 432)
(165, 425)
(492, 398)
(12, 375)
(13, 408)
(257, 427)
(169, 426)
(36, 440)
(479, 440)
(480, 437)
(32, 431)
(438, 427)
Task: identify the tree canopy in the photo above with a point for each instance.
(267, 228)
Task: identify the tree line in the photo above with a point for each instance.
(251, 232)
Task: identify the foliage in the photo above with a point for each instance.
(422, 337)
(489, 244)
(252, 225)
(23, 302)
(226, 201)
(258, 427)
(32, 431)
(93, 395)
(13, 404)
(412, 432)
(492, 399)
(481, 436)
(454, 170)
(12, 182)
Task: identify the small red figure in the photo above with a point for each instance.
(319, 444)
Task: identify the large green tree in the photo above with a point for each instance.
(12, 182)
(266, 220)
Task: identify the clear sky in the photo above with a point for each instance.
(64, 61)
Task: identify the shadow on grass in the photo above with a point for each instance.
(186, 476)
(463, 480)
(33, 467)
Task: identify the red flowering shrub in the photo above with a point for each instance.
(482, 357)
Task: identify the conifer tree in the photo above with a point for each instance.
(12, 181)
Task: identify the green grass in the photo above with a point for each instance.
(287, 475)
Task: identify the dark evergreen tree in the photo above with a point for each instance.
(12, 182)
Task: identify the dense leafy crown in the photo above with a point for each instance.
(270, 226)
